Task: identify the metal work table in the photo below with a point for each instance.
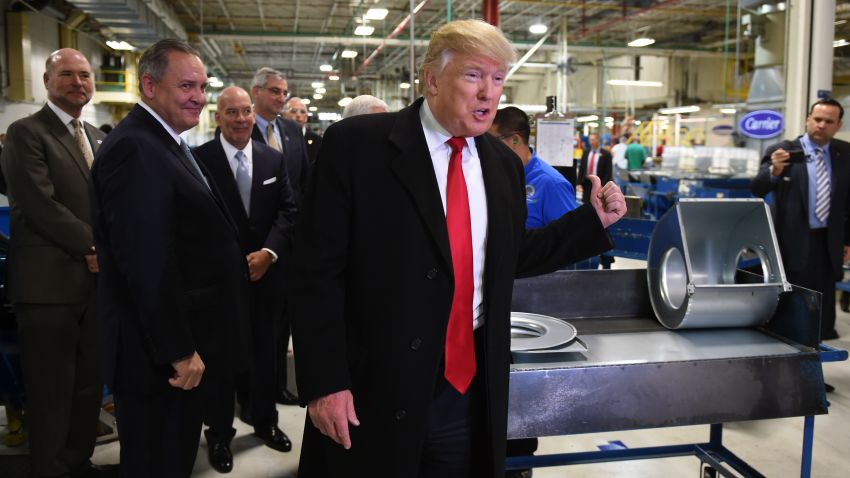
(637, 374)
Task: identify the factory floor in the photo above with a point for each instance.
(773, 447)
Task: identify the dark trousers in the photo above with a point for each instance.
(456, 439)
(818, 276)
(257, 388)
(62, 382)
(159, 431)
(283, 349)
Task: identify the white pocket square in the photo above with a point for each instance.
(269, 181)
(99, 141)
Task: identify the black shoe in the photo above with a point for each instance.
(91, 470)
(844, 302)
(285, 397)
(829, 388)
(220, 457)
(274, 438)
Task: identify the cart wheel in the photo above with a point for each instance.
(709, 472)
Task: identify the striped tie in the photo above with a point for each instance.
(823, 187)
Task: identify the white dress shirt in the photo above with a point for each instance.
(66, 119)
(436, 137)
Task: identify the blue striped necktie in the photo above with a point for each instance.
(243, 181)
(823, 187)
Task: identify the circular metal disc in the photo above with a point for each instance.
(535, 332)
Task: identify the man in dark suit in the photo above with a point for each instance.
(269, 91)
(596, 161)
(253, 181)
(810, 181)
(295, 110)
(52, 268)
(401, 310)
(172, 271)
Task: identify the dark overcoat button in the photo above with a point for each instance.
(415, 343)
(399, 415)
(432, 273)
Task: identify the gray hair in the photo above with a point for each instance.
(262, 75)
(362, 105)
(154, 60)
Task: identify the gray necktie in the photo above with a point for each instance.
(243, 181)
(188, 154)
(823, 191)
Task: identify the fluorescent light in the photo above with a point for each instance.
(639, 42)
(329, 116)
(652, 84)
(317, 84)
(416, 81)
(345, 101)
(679, 110)
(840, 22)
(637, 122)
(364, 30)
(326, 67)
(119, 45)
(584, 119)
(593, 125)
(214, 82)
(321, 91)
(313, 108)
(841, 42)
(609, 119)
(318, 96)
(376, 13)
(306, 101)
(348, 54)
(538, 29)
(404, 85)
(728, 111)
(333, 77)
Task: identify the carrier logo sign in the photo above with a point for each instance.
(761, 124)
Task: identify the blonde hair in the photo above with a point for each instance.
(471, 37)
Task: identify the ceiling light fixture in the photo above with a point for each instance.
(364, 30)
(538, 29)
(679, 110)
(321, 91)
(639, 42)
(585, 119)
(326, 67)
(333, 77)
(306, 101)
(345, 101)
(348, 54)
(317, 84)
(119, 45)
(313, 108)
(214, 82)
(404, 85)
(652, 84)
(728, 111)
(376, 13)
(839, 43)
(318, 96)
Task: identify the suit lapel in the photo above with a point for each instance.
(497, 189)
(219, 168)
(262, 170)
(415, 171)
(64, 137)
(284, 139)
(94, 138)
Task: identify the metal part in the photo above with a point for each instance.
(693, 260)
(637, 374)
(536, 332)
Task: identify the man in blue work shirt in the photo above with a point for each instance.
(548, 194)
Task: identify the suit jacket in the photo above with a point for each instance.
(50, 217)
(314, 143)
(791, 205)
(272, 205)
(171, 270)
(374, 290)
(294, 153)
(604, 169)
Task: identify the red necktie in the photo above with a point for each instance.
(460, 347)
(590, 169)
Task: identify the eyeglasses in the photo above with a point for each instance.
(276, 91)
(296, 111)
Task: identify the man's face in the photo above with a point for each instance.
(235, 117)
(594, 141)
(296, 111)
(69, 82)
(269, 99)
(823, 123)
(465, 95)
(179, 96)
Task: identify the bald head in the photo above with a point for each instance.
(234, 116)
(68, 80)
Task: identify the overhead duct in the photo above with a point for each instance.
(140, 23)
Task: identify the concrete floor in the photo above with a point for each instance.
(771, 446)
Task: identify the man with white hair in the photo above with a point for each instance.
(364, 105)
(296, 110)
(406, 250)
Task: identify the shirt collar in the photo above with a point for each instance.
(262, 123)
(169, 129)
(64, 117)
(809, 146)
(435, 135)
(230, 150)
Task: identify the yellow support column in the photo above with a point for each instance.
(19, 48)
